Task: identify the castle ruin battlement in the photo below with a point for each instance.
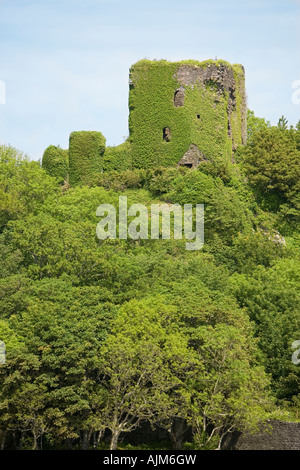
(180, 113)
(186, 112)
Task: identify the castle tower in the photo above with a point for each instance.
(185, 113)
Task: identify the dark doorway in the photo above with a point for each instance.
(166, 134)
(187, 165)
(179, 97)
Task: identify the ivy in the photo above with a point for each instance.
(117, 158)
(56, 162)
(202, 120)
(161, 131)
(86, 149)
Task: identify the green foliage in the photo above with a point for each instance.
(120, 181)
(10, 338)
(228, 389)
(102, 335)
(56, 162)
(225, 213)
(24, 186)
(47, 386)
(297, 135)
(254, 249)
(145, 348)
(282, 123)
(117, 158)
(152, 109)
(271, 163)
(255, 124)
(86, 149)
(272, 301)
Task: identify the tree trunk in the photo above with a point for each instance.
(114, 440)
(35, 444)
(3, 439)
(97, 438)
(85, 440)
(220, 443)
(177, 432)
(20, 445)
(69, 444)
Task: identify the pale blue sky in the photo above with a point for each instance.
(65, 63)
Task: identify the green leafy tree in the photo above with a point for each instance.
(24, 186)
(271, 297)
(255, 124)
(271, 162)
(51, 386)
(282, 123)
(146, 367)
(231, 393)
(231, 390)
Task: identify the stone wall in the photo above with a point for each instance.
(283, 436)
(176, 106)
(184, 113)
(275, 435)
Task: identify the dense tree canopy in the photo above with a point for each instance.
(103, 336)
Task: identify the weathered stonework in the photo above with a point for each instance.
(180, 114)
(179, 97)
(192, 158)
(274, 435)
(281, 435)
(200, 104)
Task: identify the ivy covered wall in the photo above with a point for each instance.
(191, 110)
(56, 162)
(182, 113)
(117, 158)
(86, 149)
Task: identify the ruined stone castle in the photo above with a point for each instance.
(180, 113)
(186, 112)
